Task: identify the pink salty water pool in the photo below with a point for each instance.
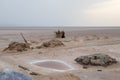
(56, 65)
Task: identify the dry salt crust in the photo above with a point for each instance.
(73, 49)
(45, 63)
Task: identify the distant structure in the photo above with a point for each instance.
(60, 34)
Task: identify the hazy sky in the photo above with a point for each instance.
(59, 12)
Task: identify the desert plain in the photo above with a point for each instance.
(78, 42)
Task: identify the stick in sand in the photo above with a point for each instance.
(23, 38)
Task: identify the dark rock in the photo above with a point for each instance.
(13, 75)
(85, 67)
(99, 70)
(23, 67)
(96, 60)
(34, 73)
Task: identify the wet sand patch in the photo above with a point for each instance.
(55, 65)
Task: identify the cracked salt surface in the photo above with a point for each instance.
(55, 65)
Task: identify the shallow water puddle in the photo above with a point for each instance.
(56, 65)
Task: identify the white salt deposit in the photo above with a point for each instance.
(55, 65)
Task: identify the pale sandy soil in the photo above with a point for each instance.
(75, 45)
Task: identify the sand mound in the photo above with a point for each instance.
(13, 75)
(51, 43)
(96, 60)
(16, 46)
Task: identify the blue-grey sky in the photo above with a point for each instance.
(59, 12)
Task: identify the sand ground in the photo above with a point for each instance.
(75, 45)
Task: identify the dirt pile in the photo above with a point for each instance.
(16, 46)
(51, 44)
(96, 60)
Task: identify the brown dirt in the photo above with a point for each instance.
(51, 44)
(16, 46)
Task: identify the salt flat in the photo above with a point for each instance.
(77, 43)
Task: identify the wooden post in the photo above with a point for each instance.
(24, 38)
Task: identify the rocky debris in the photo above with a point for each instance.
(96, 60)
(99, 70)
(16, 46)
(13, 75)
(34, 73)
(85, 67)
(60, 34)
(51, 43)
(24, 68)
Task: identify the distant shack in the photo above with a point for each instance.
(60, 34)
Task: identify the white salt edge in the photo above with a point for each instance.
(37, 61)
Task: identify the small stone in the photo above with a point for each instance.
(23, 67)
(32, 47)
(99, 70)
(85, 67)
(34, 73)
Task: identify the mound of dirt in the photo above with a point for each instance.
(51, 43)
(16, 46)
(96, 60)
